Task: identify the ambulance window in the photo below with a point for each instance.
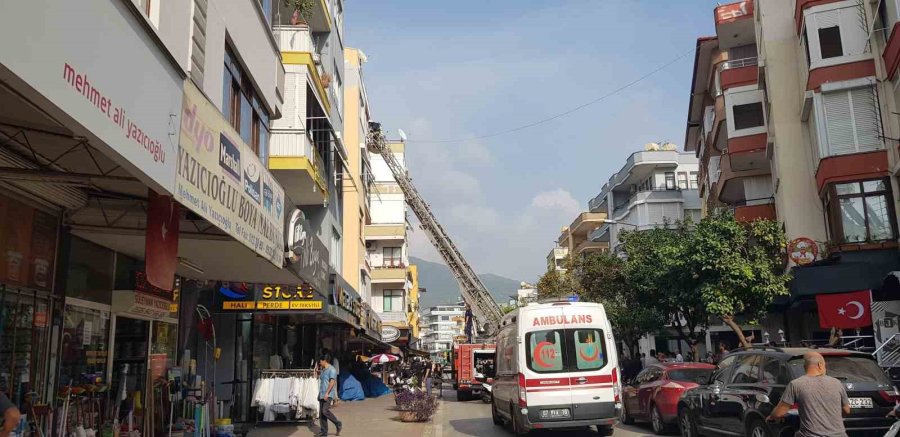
(545, 351)
(589, 350)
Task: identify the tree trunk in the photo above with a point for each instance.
(695, 350)
(729, 320)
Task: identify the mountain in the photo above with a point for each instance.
(442, 288)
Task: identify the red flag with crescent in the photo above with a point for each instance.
(845, 310)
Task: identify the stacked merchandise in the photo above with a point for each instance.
(286, 395)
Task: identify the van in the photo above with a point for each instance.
(556, 368)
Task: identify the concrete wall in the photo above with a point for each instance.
(355, 207)
(796, 199)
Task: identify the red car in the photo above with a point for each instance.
(653, 394)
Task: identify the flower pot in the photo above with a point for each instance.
(409, 416)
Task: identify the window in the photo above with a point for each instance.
(693, 180)
(393, 300)
(243, 108)
(393, 256)
(747, 370)
(748, 116)
(445, 318)
(670, 180)
(682, 181)
(830, 42)
(724, 370)
(565, 350)
(337, 258)
(588, 349)
(852, 123)
(545, 351)
(861, 211)
(773, 372)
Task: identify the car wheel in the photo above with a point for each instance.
(686, 423)
(495, 416)
(757, 428)
(659, 427)
(517, 428)
(605, 430)
(624, 417)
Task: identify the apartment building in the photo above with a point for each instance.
(386, 244)
(556, 259)
(358, 177)
(792, 117)
(655, 187)
(442, 324)
(574, 238)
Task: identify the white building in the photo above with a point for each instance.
(655, 186)
(386, 244)
(526, 293)
(442, 324)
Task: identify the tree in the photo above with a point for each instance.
(556, 283)
(602, 278)
(738, 268)
(656, 269)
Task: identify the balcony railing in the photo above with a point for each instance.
(294, 38)
(294, 143)
(659, 193)
(740, 63)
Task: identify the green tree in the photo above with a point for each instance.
(556, 283)
(602, 278)
(738, 268)
(657, 271)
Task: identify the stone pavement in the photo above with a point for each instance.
(368, 418)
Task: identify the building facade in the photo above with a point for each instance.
(574, 238)
(654, 188)
(443, 324)
(792, 118)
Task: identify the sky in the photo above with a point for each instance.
(449, 71)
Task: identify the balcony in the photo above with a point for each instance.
(389, 275)
(298, 166)
(734, 24)
(320, 21)
(737, 187)
(738, 72)
(385, 232)
(582, 224)
(654, 195)
(300, 53)
(638, 167)
(588, 246)
(393, 317)
(601, 234)
(753, 211)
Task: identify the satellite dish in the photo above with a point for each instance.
(402, 135)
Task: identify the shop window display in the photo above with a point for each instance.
(84, 346)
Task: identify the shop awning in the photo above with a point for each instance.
(419, 353)
(846, 271)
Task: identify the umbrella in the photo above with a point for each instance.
(383, 358)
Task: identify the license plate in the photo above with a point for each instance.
(555, 414)
(861, 403)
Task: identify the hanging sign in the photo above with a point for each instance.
(242, 296)
(389, 334)
(307, 256)
(140, 304)
(802, 251)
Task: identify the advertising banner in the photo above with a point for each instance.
(161, 253)
(221, 179)
(99, 67)
(246, 297)
(27, 245)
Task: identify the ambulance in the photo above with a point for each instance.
(556, 368)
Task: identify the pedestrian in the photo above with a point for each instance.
(651, 359)
(10, 415)
(429, 378)
(723, 350)
(821, 400)
(438, 376)
(470, 325)
(327, 394)
(679, 358)
(643, 360)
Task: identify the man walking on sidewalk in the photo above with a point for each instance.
(821, 399)
(327, 394)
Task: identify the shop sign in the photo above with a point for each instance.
(27, 244)
(120, 87)
(221, 179)
(372, 322)
(307, 255)
(389, 334)
(141, 304)
(347, 299)
(802, 251)
(731, 12)
(241, 296)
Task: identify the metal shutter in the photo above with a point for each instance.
(828, 19)
(866, 118)
(839, 122)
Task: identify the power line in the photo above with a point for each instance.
(565, 113)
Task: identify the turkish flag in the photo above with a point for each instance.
(161, 251)
(845, 310)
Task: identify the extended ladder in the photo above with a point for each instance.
(474, 293)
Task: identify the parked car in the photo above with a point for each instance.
(748, 384)
(653, 394)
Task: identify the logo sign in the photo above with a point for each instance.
(348, 299)
(802, 251)
(142, 304)
(731, 12)
(389, 334)
(306, 254)
(220, 178)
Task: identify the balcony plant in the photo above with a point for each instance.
(303, 10)
(326, 80)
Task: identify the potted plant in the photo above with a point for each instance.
(302, 10)
(326, 80)
(416, 406)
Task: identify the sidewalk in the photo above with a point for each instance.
(368, 418)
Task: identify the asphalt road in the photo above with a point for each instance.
(473, 418)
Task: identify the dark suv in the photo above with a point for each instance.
(749, 383)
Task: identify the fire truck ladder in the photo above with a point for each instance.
(474, 293)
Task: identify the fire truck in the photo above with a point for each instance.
(473, 364)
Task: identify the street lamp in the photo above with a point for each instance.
(616, 222)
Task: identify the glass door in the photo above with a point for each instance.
(129, 369)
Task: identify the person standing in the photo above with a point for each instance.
(10, 414)
(429, 378)
(327, 394)
(470, 325)
(651, 359)
(821, 400)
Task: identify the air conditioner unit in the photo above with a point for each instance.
(368, 244)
